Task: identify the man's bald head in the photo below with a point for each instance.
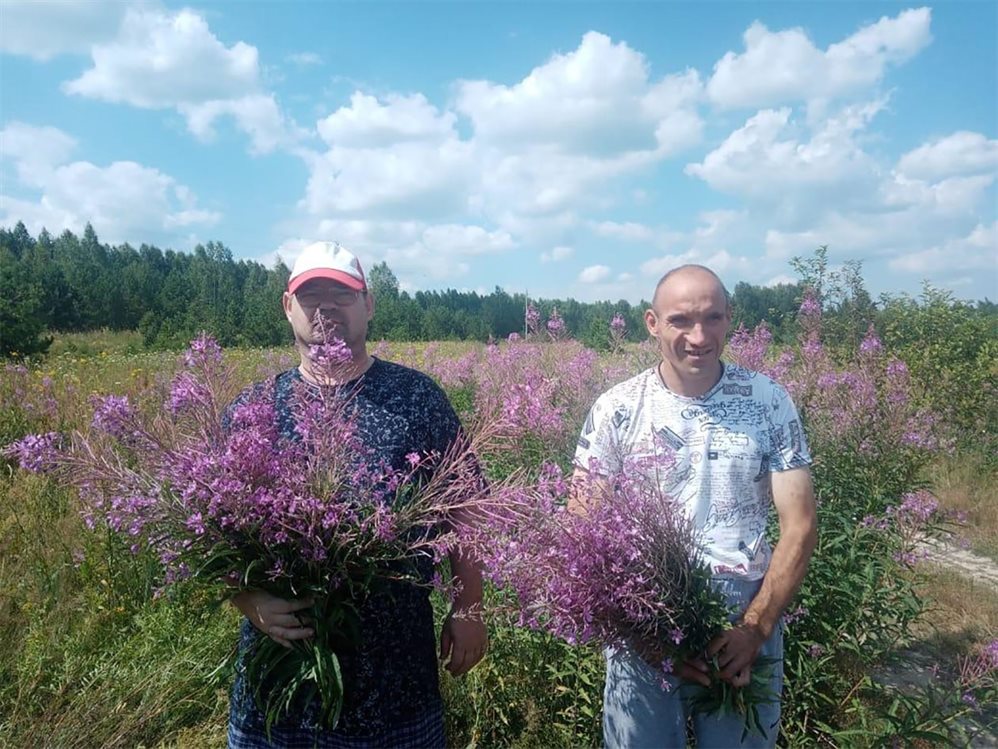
(688, 272)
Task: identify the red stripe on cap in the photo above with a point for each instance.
(333, 275)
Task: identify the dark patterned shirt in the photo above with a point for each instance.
(391, 678)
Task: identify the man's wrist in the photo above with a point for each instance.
(467, 607)
(757, 624)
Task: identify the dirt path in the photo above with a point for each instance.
(980, 569)
(915, 666)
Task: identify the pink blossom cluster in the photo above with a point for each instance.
(35, 452)
(624, 571)
(621, 569)
(866, 402)
(538, 390)
(279, 512)
(979, 673)
(532, 319)
(555, 325)
(618, 331)
(37, 398)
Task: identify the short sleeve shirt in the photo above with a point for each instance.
(721, 448)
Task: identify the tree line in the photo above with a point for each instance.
(76, 283)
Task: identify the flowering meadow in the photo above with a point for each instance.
(91, 656)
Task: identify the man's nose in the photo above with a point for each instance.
(696, 334)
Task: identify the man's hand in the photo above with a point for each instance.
(275, 617)
(736, 650)
(690, 669)
(694, 670)
(463, 641)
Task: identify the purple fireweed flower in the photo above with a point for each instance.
(113, 414)
(871, 345)
(812, 347)
(203, 351)
(816, 650)
(617, 325)
(187, 392)
(614, 575)
(37, 453)
(798, 614)
(750, 348)
(513, 337)
(330, 356)
(877, 523)
(532, 318)
(897, 369)
(555, 325)
(989, 656)
(910, 557)
(810, 307)
(917, 507)
(195, 524)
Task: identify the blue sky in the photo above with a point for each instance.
(560, 148)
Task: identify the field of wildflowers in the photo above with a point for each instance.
(89, 657)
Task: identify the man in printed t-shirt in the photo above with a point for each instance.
(393, 696)
(736, 447)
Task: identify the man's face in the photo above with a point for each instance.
(323, 304)
(690, 318)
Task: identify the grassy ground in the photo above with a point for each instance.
(965, 483)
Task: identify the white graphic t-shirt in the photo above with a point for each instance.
(722, 447)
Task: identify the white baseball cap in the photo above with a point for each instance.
(327, 260)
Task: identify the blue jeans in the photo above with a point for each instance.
(638, 713)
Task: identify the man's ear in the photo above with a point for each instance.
(651, 322)
(286, 301)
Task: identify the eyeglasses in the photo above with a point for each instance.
(341, 297)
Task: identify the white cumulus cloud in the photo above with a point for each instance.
(369, 123)
(962, 152)
(976, 251)
(774, 158)
(594, 274)
(595, 98)
(458, 239)
(526, 157)
(124, 201)
(164, 60)
(785, 66)
(43, 29)
(628, 231)
(557, 254)
(34, 151)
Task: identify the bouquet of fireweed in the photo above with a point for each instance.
(227, 500)
(624, 571)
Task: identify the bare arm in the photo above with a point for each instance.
(578, 495)
(738, 647)
(463, 636)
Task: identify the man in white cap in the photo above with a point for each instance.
(393, 696)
